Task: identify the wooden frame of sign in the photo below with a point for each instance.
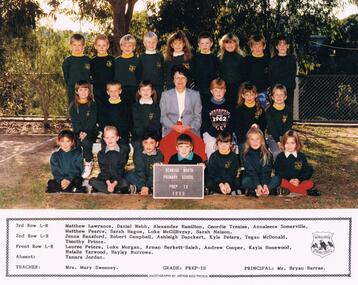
(181, 181)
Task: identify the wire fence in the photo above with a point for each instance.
(326, 99)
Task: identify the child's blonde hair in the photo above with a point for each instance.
(150, 35)
(279, 87)
(101, 37)
(145, 83)
(265, 154)
(128, 39)
(256, 39)
(179, 35)
(294, 135)
(110, 129)
(229, 38)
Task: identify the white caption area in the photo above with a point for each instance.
(200, 248)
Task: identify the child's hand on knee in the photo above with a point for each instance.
(266, 190)
(222, 188)
(228, 188)
(65, 183)
(144, 191)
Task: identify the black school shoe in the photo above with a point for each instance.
(81, 189)
(250, 193)
(313, 192)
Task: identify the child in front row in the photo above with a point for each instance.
(292, 167)
(112, 160)
(66, 166)
(223, 167)
(185, 155)
(248, 113)
(145, 114)
(257, 162)
(279, 119)
(151, 63)
(142, 177)
(83, 112)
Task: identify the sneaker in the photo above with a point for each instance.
(236, 192)
(206, 191)
(132, 189)
(87, 169)
(313, 192)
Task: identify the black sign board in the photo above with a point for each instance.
(178, 181)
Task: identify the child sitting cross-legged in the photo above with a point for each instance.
(112, 160)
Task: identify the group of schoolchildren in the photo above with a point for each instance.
(249, 143)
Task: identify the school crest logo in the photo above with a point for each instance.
(228, 164)
(109, 63)
(132, 68)
(158, 65)
(151, 166)
(284, 119)
(186, 65)
(150, 116)
(87, 66)
(322, 244)
(298, 165)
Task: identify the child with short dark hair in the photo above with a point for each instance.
(151, 63)
(102, 71)
(279, 119)
(248, 113)
(66, 166)
(257, 67)
(257, 162)
(125, 68)
(216, 116)
(83, 112)
(185, 155)
(142, 177)
(117, 113)
(232, 68)
(111, 160)
(292, 167)
(223, 167)
(205, 67)
(283, 69)
(75, 67)
(177, 53)
(145, 113)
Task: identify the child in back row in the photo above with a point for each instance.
(257, 162)
(292, 167)
(279, 119)
(257, 67)
(248, 113)
(125, 67)
(232, 69)
(112, 160)
(178, 53)
(145, 114)
(216, 116)
(223, 167)
(83, 112)
(205, 67)
(75, 67)
(102, 72)
(151, 64)
(66, 166)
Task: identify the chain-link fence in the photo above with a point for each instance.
(327, 98)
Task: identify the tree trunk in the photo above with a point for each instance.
(121, 19)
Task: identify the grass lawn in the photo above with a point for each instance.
(333, 152)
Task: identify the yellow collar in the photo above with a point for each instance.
(225, 153)
(258, 56)
(279, 108)
(251, 105)
(127, 55)
(102, 55)
(78, 54)
(82, 101)
(115, 101)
